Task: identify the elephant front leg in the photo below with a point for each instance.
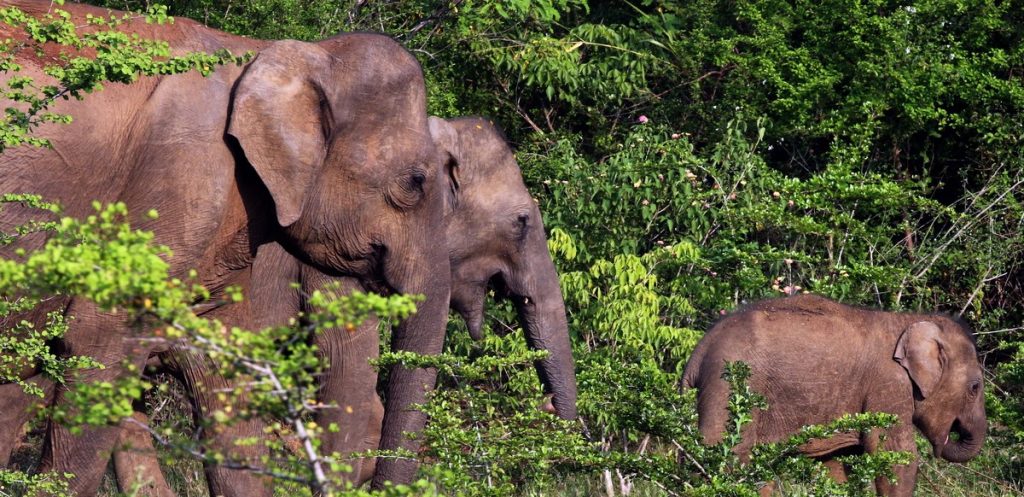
(349, 388)
(19, 409)
(206, 387)
(900, 438)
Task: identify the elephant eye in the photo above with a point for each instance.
(522, 226)
(416, 180)
(408, 189)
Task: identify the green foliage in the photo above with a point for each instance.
(18, 483)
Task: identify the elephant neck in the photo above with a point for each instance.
(247, 221)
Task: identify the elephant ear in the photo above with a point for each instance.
(919, 351)
(446, 137)
(281, 121)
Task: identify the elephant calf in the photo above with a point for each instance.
(815, 360)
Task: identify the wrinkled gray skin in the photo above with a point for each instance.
(495, 238)
(815, 360)
(321, 147)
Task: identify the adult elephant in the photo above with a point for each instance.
(815, 360)
(321, 147)
(495, 239)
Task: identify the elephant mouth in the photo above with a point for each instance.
(376, 282)
(954, 433)
(960, 443)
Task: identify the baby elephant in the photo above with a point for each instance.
(814, 360)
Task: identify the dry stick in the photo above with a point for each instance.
(1004, 330)
(941, 249)
(984, 279)
(692, 460)
(437, 15)
(965, 227)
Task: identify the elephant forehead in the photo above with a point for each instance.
(376, 152)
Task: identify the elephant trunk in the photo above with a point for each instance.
(542, 315)
(971, 436)
(422, 333)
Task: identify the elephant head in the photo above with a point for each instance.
(337, 132)
(496, 240)
(939, 356)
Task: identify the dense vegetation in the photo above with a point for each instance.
(692, 156)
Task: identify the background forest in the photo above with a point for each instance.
(689, 157)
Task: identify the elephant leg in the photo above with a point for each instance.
(348, 384)
(205, 386)
(20, 407)
(713, 407)
(103, 337)
(135, 463)
(836, 470)
(371, 442)
(900, 438)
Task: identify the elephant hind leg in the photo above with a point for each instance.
(712, 406)
(135, 463)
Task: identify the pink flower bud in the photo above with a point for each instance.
(642, 119)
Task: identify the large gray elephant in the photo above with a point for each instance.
(495, 239)
(321, 147)
(815, 360)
